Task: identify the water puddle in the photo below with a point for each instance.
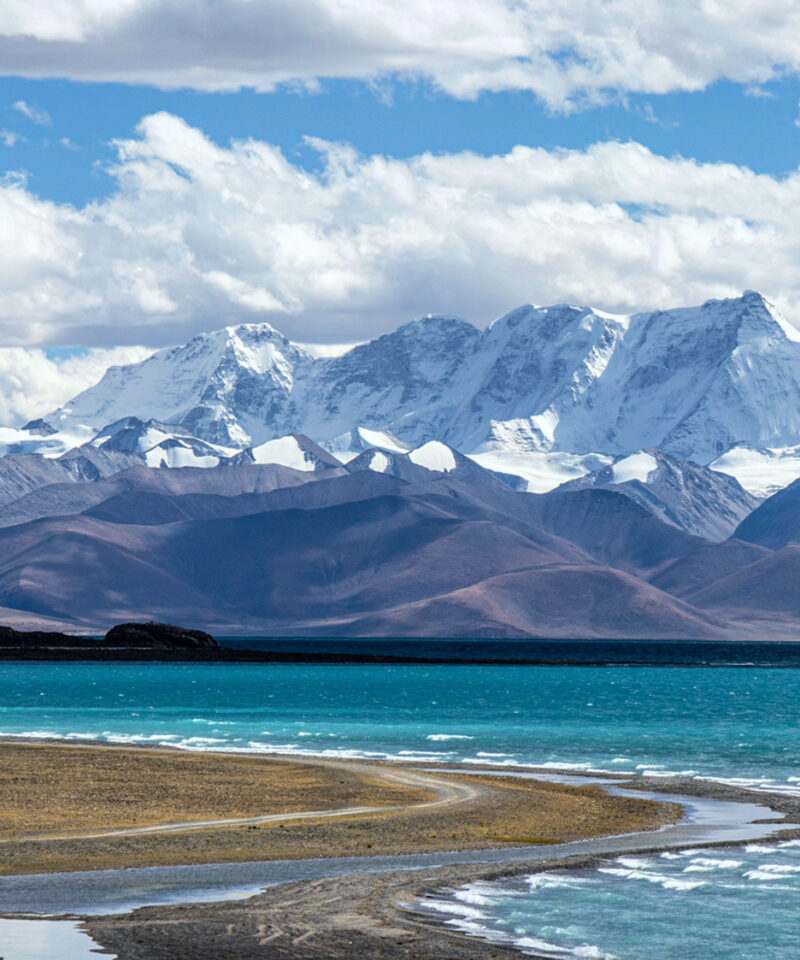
(44, 939)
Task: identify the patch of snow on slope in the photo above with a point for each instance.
(348, 446)
(762, 471)
(178, 456)
(542, 471)
(317, 350)
(638, 466)
(434, 455)
(384, 440)
(379, 462)
(285, 451)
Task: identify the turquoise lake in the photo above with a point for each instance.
(736, 724)
(732, 723)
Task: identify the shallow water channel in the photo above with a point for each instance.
(114, 891)
(39, 939)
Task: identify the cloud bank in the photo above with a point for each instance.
(198, 235)
(566, 53)
(33, 384)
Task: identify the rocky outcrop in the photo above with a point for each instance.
(126, 641)
(159, 636)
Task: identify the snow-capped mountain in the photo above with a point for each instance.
(762, 471)
(433, 457)
(692, 382)
(701, 501)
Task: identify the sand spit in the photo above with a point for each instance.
(375, 916)
(85, 807)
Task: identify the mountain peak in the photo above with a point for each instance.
(691, 381)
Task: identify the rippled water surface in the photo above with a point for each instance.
(739, 724)
(727, 904)
(734, 724)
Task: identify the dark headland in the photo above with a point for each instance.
(151, 641)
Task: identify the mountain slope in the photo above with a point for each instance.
(693, 382)
(693, 498)
(776, 523)
(761, 591)
(336, 556)
(611, 527)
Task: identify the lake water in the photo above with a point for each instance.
(734, 724)
(730, 723)
(737, 903)
(45, 939)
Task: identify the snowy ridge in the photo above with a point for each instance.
(696, 499)
(762, 471)
(693, 382)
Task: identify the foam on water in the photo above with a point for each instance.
(648, 907)
(723, 725)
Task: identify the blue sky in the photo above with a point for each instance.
(338, 167)
(721, 123)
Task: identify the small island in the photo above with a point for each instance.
(125, 641)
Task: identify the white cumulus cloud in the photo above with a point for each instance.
(32, 383)
(198, 235)
(565, 52)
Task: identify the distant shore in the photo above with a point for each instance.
(500, 651)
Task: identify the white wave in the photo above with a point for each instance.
(198, 741)
(538, 881)
(668, 883)
(456, 909)
(139, 737)
(483, 893)
(761, 784)
(547, 949)
(448, 736)
(706, 864)
(759, 848)
(762, 875)
(591, 953)
(34, 735)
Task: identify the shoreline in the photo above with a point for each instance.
(310, 649)
(379, 915)
(96, 805)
